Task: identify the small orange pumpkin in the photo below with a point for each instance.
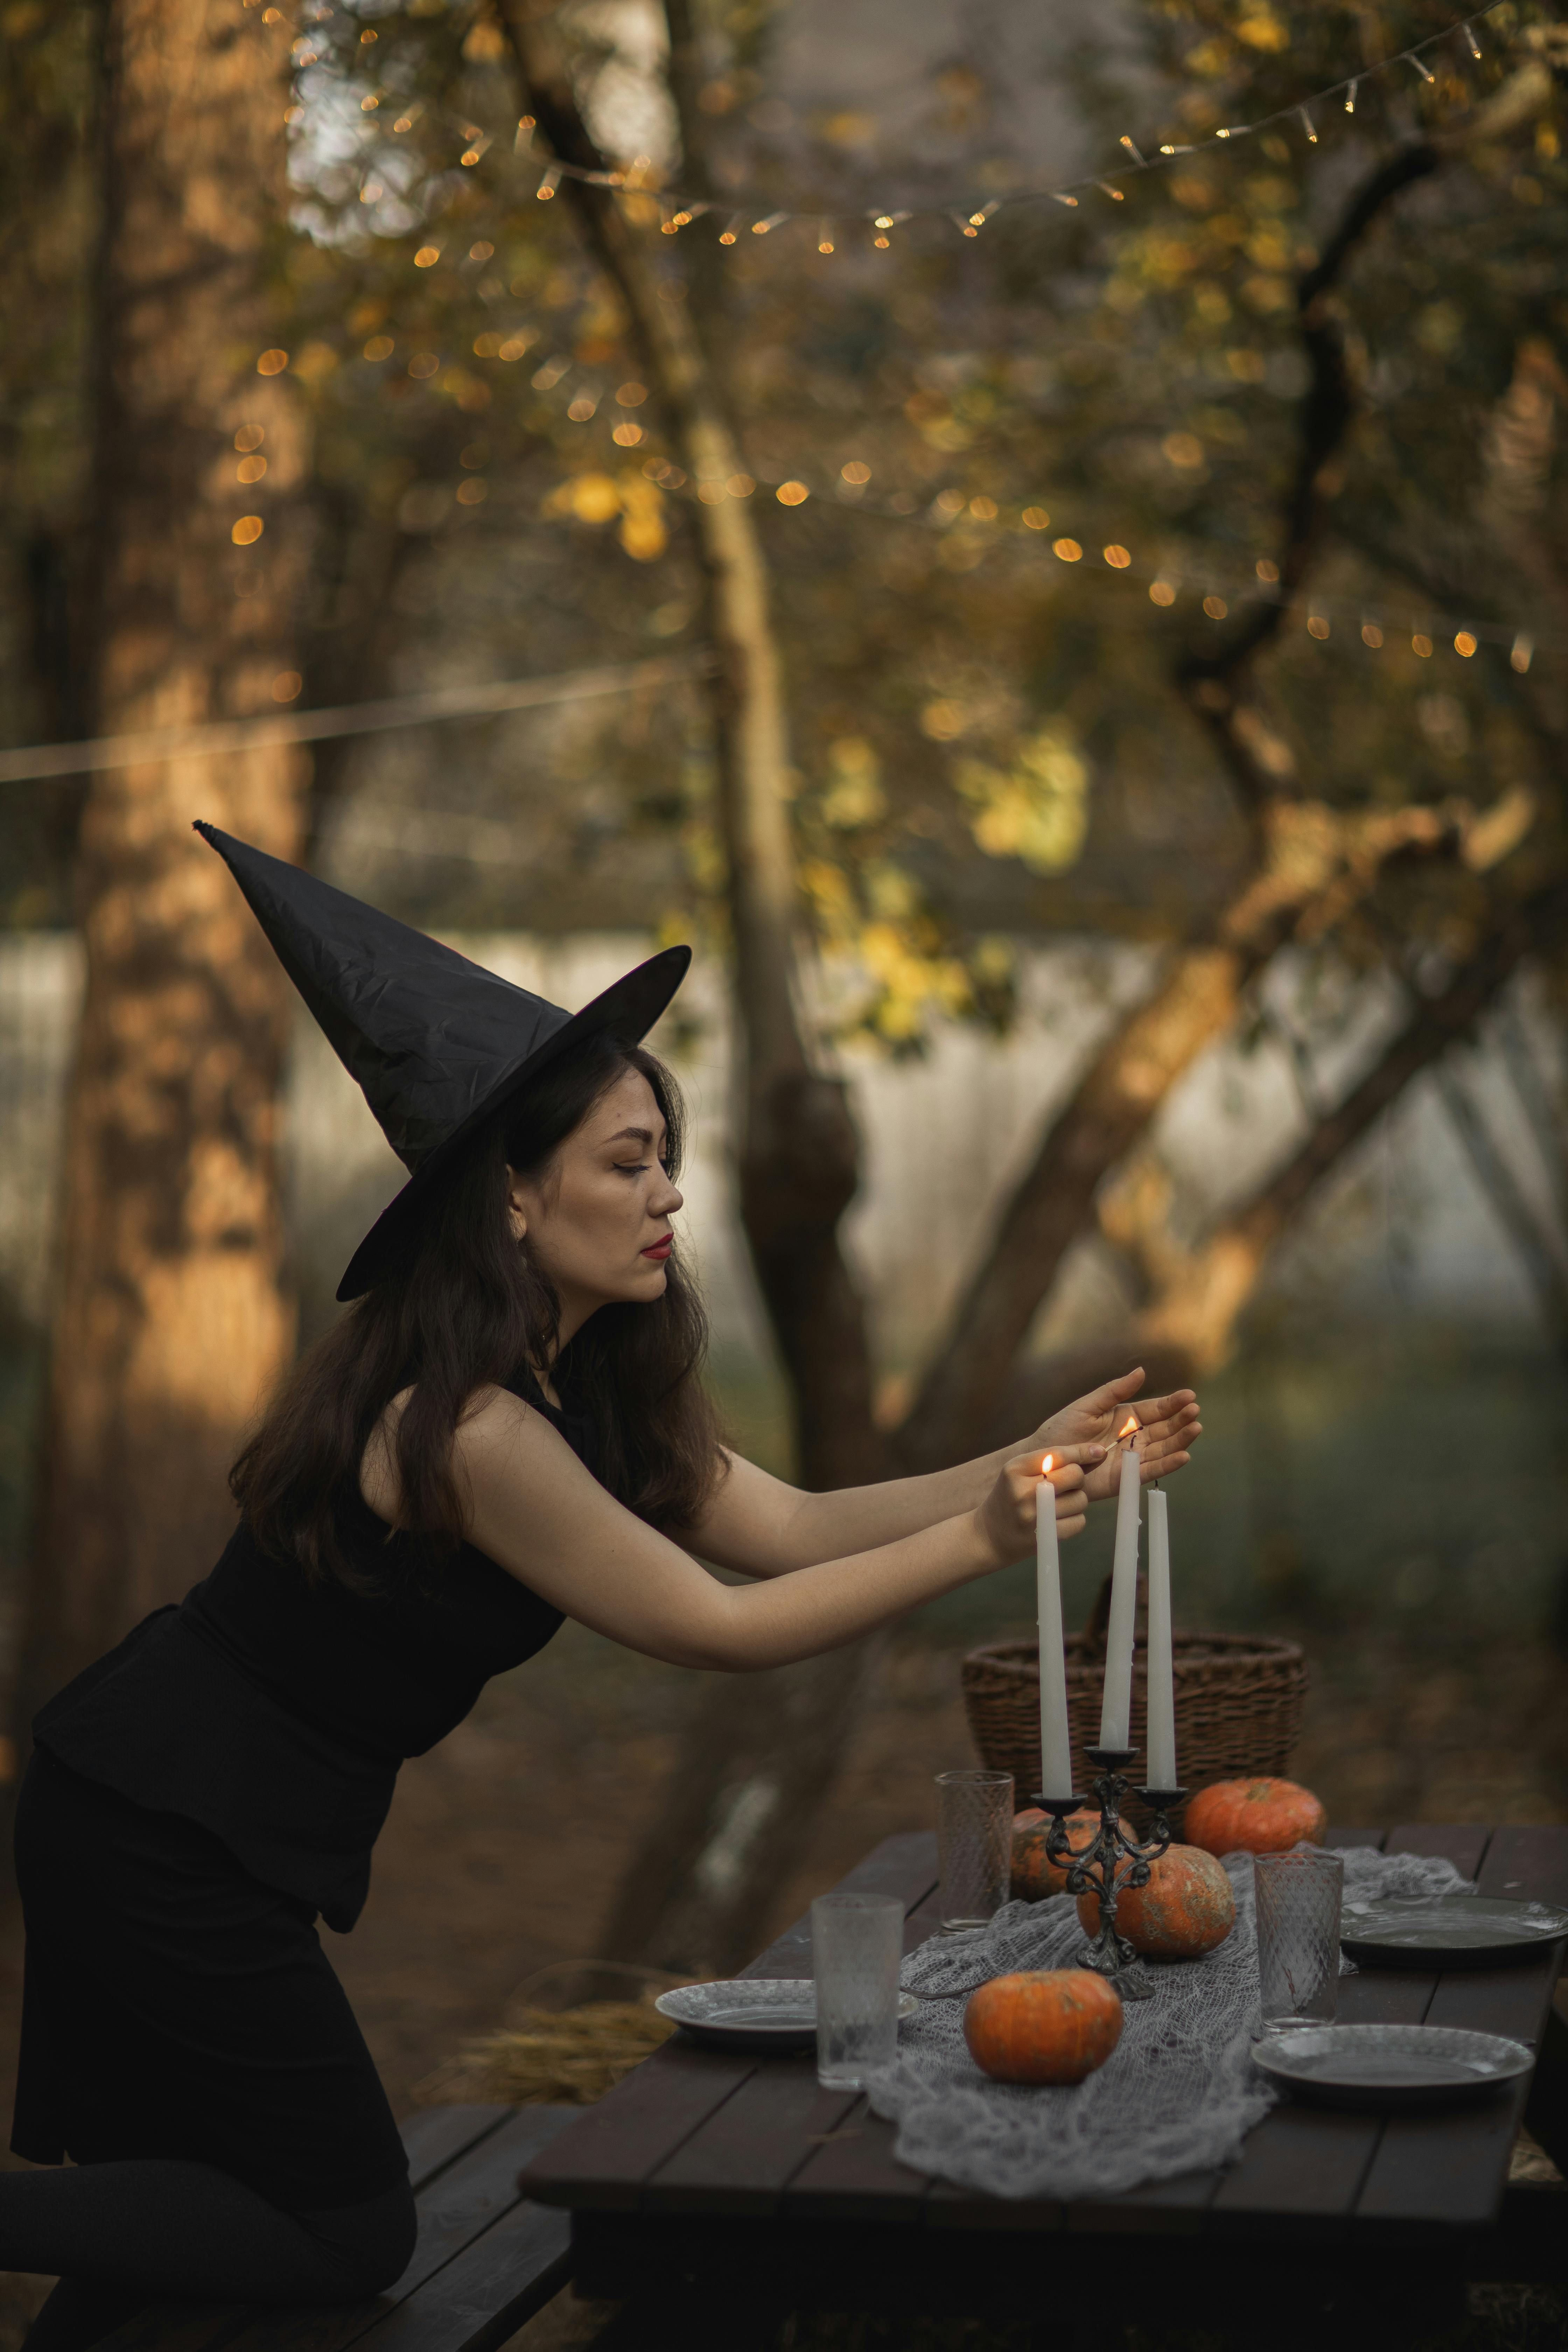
(1187, 1908)
(1045, 2025)
(1032, 1876)
(1253, 1816)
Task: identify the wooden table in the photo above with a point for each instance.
(739, 2182)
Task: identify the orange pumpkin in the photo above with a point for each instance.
(1185, 1910)
(1253, 1816)
(1032, 1876)
(1050, 2025)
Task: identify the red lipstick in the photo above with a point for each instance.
(660, 1249)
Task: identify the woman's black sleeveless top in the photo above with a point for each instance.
(276, 1711)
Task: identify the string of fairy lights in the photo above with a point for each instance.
(1170, 588)
(761, 215)
(1169, 585)
(1166, 589)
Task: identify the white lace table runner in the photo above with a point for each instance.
(1178, 2093)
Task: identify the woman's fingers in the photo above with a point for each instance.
(1062, 1459)
(1115, 1393)
(1180, 1405)
(1175, 1429)
(1160, 1446)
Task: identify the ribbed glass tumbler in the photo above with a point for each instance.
(857, 1944)
(974, 1846)
(1298, 1899)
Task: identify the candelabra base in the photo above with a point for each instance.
(1111, 1957)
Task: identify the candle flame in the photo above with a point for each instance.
(1128, 1429)
(1045, 1465)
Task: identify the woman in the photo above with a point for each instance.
(507, 1428)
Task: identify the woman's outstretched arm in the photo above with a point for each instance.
(760, 1527)
(534, 1509)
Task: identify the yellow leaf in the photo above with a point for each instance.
(855, 797)
(1036, 811)
(1261, 29)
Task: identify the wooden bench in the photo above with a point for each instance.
(486, 2259)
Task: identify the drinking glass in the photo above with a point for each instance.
(975, 1844)
(1298, 1899)
(856, 1943)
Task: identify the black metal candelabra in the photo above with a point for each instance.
(1110, 1863)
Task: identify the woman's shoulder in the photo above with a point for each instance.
(495, 1419)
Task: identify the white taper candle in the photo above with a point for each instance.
(1161, 1759)
(1116, 1710)
(1055, 1745)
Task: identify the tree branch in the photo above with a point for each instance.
(1318, 862)
(1534, 1247)
(1203, 1292)
(1535, 1099)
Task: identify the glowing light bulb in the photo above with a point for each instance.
(1307, 126)
(1350, 97)
(1469, 32)
(1412, 60)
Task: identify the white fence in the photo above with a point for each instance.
(943, 1137)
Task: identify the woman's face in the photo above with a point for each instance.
(597, 1217)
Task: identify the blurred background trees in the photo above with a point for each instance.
(1179, 570)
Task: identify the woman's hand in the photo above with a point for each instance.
(1007, 1513)
(1168, 1427)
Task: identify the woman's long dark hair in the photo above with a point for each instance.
(472, 1308)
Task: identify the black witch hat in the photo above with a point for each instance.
(438, 1043)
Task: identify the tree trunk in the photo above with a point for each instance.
(171, 1315)
(758, 1756)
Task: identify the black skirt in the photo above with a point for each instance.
(176, 2006)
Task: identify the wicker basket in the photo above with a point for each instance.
(1239, 1698)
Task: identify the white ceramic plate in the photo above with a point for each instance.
(1382, 2066)
(756, 2013)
